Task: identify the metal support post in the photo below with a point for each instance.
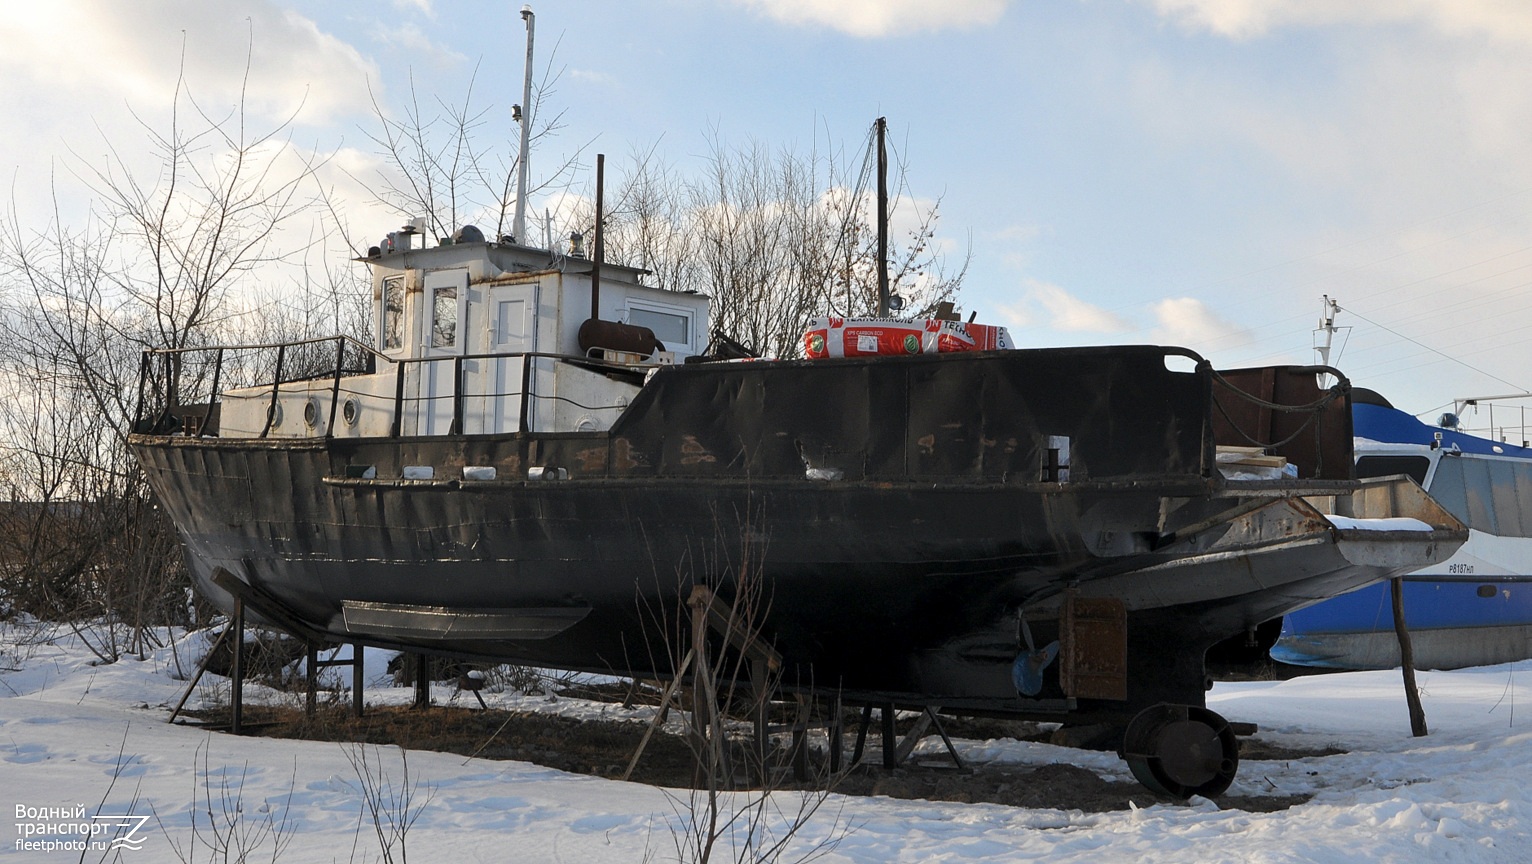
(356, 679)
(237, 684)
(836, 729)
(422, 683)
(311, 686)
(861, 734)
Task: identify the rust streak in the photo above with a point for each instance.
(592, 459)
(692, 451)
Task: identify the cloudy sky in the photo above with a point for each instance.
(1196, 172)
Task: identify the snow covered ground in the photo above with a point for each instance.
(80, 740)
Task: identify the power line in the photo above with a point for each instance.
(1435, 351)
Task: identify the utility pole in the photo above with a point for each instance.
(882, 126)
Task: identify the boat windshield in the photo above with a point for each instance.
(1490, 495)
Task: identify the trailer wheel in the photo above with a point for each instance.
(1181, 750)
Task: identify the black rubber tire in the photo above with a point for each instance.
(1181, 750)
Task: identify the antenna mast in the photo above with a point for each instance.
(519, 227)
(1327, 327)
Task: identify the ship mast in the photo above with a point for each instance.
(1327, 327)
(519, 227)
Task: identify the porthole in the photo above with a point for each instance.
(350, 411)
(311, 413)
(1486, 591)
(274, 414)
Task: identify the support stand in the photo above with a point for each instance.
(473, 684)
(709, 614)
(237, 682)
(422, 683)
(357, 678)
(895, 749)
(311, 684)
(273, 611)
(201, 668)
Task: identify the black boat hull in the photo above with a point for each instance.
(894, 518)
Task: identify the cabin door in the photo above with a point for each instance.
(441, 341)
(512, 332)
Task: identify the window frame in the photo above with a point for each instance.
(459, 302)
(402, 330)
(659, 307)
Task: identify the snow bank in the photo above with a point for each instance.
(68, 727)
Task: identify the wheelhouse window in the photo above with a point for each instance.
(671, 326)
(444, 315)
(392, 325)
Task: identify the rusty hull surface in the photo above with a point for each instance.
(894, 516)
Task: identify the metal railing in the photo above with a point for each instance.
(171, 395)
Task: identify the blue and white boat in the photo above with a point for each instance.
(1474, 608)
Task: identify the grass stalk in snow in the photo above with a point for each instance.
(390, 807)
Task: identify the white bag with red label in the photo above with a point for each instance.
(868, 337)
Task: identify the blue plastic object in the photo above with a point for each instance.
(1027, 671)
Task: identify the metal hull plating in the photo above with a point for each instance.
(907, 590)
(895, 516)
(1453, 625)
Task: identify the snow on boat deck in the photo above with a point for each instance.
(1393, 523)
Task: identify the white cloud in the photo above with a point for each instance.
(1014, 315)
(407, 40)
(422, 6)
(603, 79)
(1188, 321)
(1244, 19)
(1017, 234)
(126, 63)
(1013, 244)
(134, 56)
(871, 19)
(1071, 314)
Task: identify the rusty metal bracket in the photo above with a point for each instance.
(1093, 647)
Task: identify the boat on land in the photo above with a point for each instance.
(1473, 608)
(540, 456)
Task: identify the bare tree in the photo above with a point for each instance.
(436, 167)
(741, 806)
(224, 825)
(650, 223)
(776, 238)
(154, 264)
(389, 803)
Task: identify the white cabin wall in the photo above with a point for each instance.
(591, 402)
(615, 300)
(242, 413)
(562, 305)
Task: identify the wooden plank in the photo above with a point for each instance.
(1242, 451)
(1259, 461)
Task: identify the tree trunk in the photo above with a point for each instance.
(1407, 661)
